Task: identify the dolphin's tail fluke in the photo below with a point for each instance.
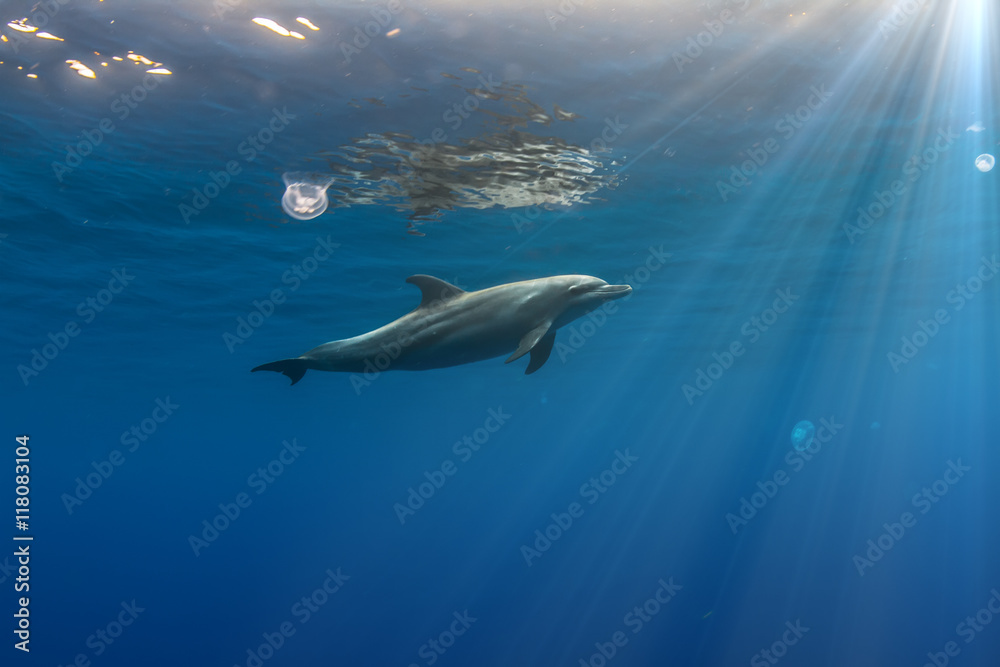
(293, 368)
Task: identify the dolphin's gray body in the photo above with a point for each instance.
(452, 327)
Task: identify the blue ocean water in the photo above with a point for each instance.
(791, 188)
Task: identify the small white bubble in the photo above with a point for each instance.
(985, 162)
(305, 194)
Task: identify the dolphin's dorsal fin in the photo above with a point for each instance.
(530, 340)
(434, 290)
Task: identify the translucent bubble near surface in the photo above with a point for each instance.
(305, 195)
(985, 162)
(802, 435)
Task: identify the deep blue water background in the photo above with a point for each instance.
(892, 91)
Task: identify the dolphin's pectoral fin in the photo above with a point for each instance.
(530, 340)
(434, 289)
(540, 353)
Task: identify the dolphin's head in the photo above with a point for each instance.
(586, 293)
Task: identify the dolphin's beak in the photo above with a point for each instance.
(614, 291)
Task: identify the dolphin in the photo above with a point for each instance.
(452, 327)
